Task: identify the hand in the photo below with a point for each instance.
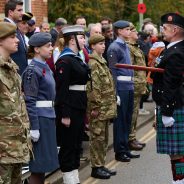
(35, 135)
(118, 100)
(66, 121)
(167, 121)
(94, 113)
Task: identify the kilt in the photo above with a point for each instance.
(170, 140)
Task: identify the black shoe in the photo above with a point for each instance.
(132, 155)
(110, 171)
(122, 158)
(141, 143)
(99, 173)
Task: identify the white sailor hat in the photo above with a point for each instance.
(73, 30)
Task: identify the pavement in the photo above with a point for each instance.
(143, 120)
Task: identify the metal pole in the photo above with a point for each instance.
(140, 17)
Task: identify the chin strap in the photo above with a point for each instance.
(77, 42)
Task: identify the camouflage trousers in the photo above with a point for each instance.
(99, 133)
(10, 173)
(137, 99)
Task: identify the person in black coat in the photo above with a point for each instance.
(168, 93)
(13, 14)
(71, 75)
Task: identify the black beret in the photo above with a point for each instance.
(173, 18)
(39, 39)
(7, 29)
(96, 38)
(121, 24)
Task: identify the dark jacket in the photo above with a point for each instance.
(70, 70)
(168, 87)
(20, 57)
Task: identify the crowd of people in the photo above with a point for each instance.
(57, 83)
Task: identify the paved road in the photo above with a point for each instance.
(151, 168)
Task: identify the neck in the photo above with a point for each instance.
(95, 52)
(40, 58)
(4, 54)
(175, 39)
(74, 49)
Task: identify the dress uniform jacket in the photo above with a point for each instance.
(15, 145)
(70, 70)
(168, 89)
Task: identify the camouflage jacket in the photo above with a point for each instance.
(101, 96)
(15, 144)
(137, 58)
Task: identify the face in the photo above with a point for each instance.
(45, 28)
(168, 32)
(105, 22)
(44, 51)
(81, 41)
(10, 44)
(81, 22)
(16, 15)
(95, 30)
(125, 33)
(133, 35)
(99, 48)
(109, 33)
(23, 27)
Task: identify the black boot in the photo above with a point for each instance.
(98, 172)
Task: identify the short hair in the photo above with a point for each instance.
(79, 17)
(60, 22)
(106, 28)
(106, 18)
(11, 5)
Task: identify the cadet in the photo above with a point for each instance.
(137, 58)
(101, 107)
(168, 93)
(118, 52)
(72, 75)
(39, 88)
(14, 124)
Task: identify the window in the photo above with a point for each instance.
(27, 5)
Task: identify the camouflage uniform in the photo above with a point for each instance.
(101, 97)
(14, 125)
(137, 58)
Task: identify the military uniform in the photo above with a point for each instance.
(15, 145)
(39, 88)
(137, 58)
(102, 99)
(71, 77)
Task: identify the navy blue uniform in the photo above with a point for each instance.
(39, 85)
(118, 52)
(70, 70)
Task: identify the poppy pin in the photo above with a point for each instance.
(43, 71)
(141, 8)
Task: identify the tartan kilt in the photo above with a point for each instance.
(170, 140)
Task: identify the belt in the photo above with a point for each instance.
(125, 78)
(77, 87)
(44, 103)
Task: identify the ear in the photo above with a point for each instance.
(37, 50)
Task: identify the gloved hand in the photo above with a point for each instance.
(118, 100)
(35, 135)
(167, 121)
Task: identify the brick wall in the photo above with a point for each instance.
(38, 8)
(40, 11)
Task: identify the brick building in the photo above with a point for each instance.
(39, 9)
